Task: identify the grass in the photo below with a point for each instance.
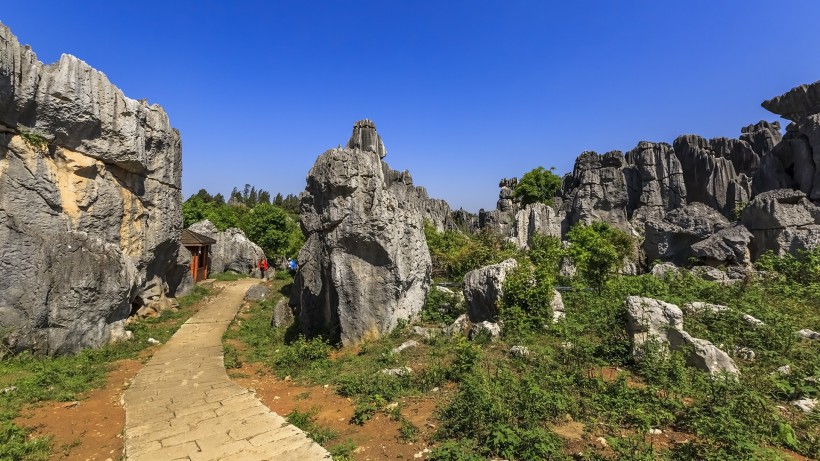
(65, 378)
(501, 405)
(229, 276)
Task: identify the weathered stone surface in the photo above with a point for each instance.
(782, 221)
(366, 139)
(436, 211)
(365, 264)
(232, 250)
(649, 319)
(601, 188)
(660, 180)
(483, 289)
(557, 306)
(257, 293)
(726, 246)
(710, 179)
(797, 103)
(671, 238)
(282, 314)
(90, 203)
(664, 269)
(490, 329)
(535, 218)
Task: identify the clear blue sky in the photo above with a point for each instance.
(463, 92)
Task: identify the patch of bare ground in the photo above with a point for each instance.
(90, 428)
(378, 438)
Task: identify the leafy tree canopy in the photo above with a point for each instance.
(538, 185)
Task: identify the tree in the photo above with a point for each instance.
(598, 251)
(538, 185)
(272, 229)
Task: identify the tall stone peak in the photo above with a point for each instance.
(366, 138)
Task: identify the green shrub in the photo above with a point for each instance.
(455, 253)
(442, 307)
(538, 185)
(598, 251)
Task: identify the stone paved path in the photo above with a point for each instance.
(182, 405)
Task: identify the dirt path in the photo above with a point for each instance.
(182, 405)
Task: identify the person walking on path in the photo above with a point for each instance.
(263, 266)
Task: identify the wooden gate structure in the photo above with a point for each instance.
(200, 248)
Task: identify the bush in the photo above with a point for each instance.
(455, 253)
(538, 185)
(598, 251)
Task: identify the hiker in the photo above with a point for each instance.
(263, 266)
(292, 266)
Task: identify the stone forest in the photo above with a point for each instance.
(662, 303)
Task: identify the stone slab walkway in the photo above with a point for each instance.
(183, 406)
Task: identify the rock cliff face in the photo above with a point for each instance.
(365, 264)
(90, 202)
(232, 250)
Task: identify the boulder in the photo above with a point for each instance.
(729, 246)
(435, 211)
(233, 251)
(409, 344)
(672, 237)
(663, 269)
(282, 314)
(365, 264)
(483, 290)
(557, 306)
(257, 293)
(489, 329)
(782, 221)
(90, 202)
(651, 319)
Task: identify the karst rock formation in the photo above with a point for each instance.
(720, 201)
(365, 264)
(90, 203)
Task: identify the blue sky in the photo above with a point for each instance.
(462, 92)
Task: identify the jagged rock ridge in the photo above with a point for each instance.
(90, 202)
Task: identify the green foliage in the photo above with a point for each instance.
(455, 253)
(794, 275)
(365, 410)
(442, 307)
(538, 185)
(34, 140)
(408, 432)
(272, 229)
(306, 421)
(343, 451)
(15, 444)
(581, 369)
(598, 251)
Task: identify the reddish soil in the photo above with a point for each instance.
(90, 428)
(377, 439)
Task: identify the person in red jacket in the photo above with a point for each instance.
(263, 266)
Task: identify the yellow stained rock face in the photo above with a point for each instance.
(79, 178)
(75, 174)
(131, 227)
